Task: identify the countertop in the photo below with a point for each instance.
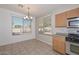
(61, 34)
(57, 34)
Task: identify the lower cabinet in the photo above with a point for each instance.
(59, 44)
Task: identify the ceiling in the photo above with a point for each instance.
(36, 10)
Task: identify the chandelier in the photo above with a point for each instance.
(28, 17)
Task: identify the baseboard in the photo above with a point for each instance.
(45, 42)
(15, 42)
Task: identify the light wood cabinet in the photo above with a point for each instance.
(60, 20)
(59, 44)
(73, 13)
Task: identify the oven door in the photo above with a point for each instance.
(73, 22)
(74, 48)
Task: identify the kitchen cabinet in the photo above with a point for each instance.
(73, 13)
(59, 44)
(61, 20)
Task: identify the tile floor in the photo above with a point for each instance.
(28, 47)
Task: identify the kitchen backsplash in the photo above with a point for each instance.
(73, 30)
(67, 30)
(61, 30)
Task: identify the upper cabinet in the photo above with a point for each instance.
(73, 13)
(61, 19)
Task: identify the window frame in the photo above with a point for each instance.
(22, 26)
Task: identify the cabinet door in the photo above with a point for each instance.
(61, 20)
(59, 44)
(73, 13)
(55, 44)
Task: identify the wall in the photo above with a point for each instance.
(6, 36)
(48, 39)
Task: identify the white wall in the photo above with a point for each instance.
(48, 39)
(6, 36)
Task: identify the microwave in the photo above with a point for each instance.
(73, 22)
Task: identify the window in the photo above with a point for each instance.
(20, 25)
(17, 26)
(45, 25)
(27, 26)
(40, 25)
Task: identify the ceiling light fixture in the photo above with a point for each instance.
(28, 17)
(21, 5)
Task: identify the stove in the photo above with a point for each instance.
(72, 44)
(73, 38)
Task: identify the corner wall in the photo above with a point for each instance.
(6, 36)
